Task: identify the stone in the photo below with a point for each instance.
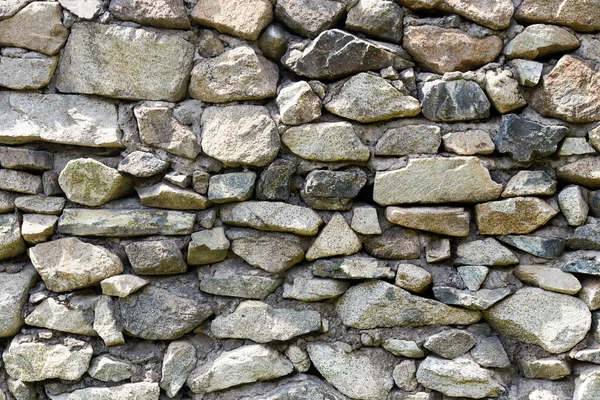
(180, 180)
(246, 364)
(11, 242)
(314, 289)
(83, 67)
(272, 216)
(30, 360)
(517, 215)
(122, 285)
(326, 141)
(106, 368)
(365, 220)
(488, 252)
(458, 378)
(582, 266)
(355, 267)
(178, 363)
(473, 300)
(530, 183)
(576, 15)
(378, 19)
(554, 321)
(105, 322)
(412, 277)
(355, 97)
(473, 276)
(587, 386)
(436, 180)
(200, 181)
(142, 165)
(336, 238)
(494, 15)
(442, 50)
(16, 158)
(573, 203)
(359, 374)
(544, 247)
(271, 252)
(548, 278)
(451, 221)
(10, 8)
(240, 135)
(84, 10)
(581, 172)
(298, 104)
(21, 390)
(403, 348)
(375, 304)
(57, 118)
(394, 243)
(36, 27)
(540, 40)
(299, 357)
(469, 143)
(31, 71)
(527, 72)
(153, 313)
(586, 355)
(15, 292)
(275, 181)
(594, 138)
(91, 183)
(450, 343)
(571, 91)
(37, 228)
(309, 17)
(526, 140)
(234, 186)
(162, 14)
(40, 204)
(245, 20)
(163, 195)
(575, 147)
(542, 394)
(127, 391)
(489, 353)
(256, 77)
(125, 223)
(451, 101)
(156, 257)
(410, 139)
(338, 184)
(262, 323)
(20, 181)
(208, 246)
(503, 91)
(437, 249)
(546, 368)
(590, 292)
(273, 43)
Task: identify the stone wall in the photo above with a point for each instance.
(299, 199)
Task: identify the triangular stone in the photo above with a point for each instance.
(337, 238)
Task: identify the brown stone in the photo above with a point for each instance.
(452, 221)
(540, 40)
(159, 13)
(585, 172)
(581, 15)
(518, 215)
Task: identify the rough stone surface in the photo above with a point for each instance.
(158, 257)
(162, 13)
(552, 279)
(122, 285)
(518, 215)
(128, 391)
(422, 139)
(577, 15)
(530, 183)
(336, 239)
(309, 17)
(395, 243)
(355, 267)
(485, 252)
(378, 19)
(298, 104)
(450, 343)
(180, 360)
(540, 40)
(442, 220)
(15, 289)
(458, 100)
(207, 247)
(163, 195)
(503, 91)
(33, 71)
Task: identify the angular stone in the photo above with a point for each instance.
(548, 278)
(355, 99)
(442, 50)
(437, 249)
(37, 228)
(125, 223)
(518, 215)
(242, 19)
(573, 203)
(451, 101)
(527, 72)
(106, 368)
(309, 17)
(122, 285)
(106, 324)
(83, 68)
(468, 143)
(16, 158)
(20, 181)
(356, 267)
(451, 221)
(36, 27)
(376, 304)
(15, 291)
(473, 300)
(590, 292)
(546, 368)
(208, 246)
(541, 40)
(503, 91)
(10, 8)
(395, 243)
(404, 375)
(571, 91)
(128, 391)
(410, 139)
(40, 204)
(156, 257)
(298, 104)
(489, 353)
(587, 355)
(450, 343)
(179, 361)
(544, 247)
(337, 238)
(163, 195)
(378, 19)
(575, 147)
(530, 183)
(581, 16)
(403, 348)
(412, 277)
(587, 386)
(494, 15)
(234, 186)
(436, 180)
(582, 266)
(142, 165)
(581, 172)
(484, 252)
(473, 276)
(91, 183)
(365, 220)
(162, 13)
(11, 242)
(324, 183)
(60, 265)
(314, 289)
(554, 321)
(586, 237)
(85, 11)
(275, 181)
(256, 77)
(30, 71)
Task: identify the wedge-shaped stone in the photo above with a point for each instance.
(518, 215)
(161, 13)
(581, 16)
(245, 364)
(31, 71)
(87, 65)
(15, 291)
(436, 180)
(548, 278)
(473, 300)
(530, 183)
(309, 17)
(484, 252)
(540, 40)
(377, 304)
(163, 195)
(585, 172)
(105, 322)
(128, 391)
(208, 246)
(314, 289)
(76, 316)
(544, 247)
(67, 264)
(585, 237)
(451, 221)
(336, 239)
(122, 285)
(554, 321)
(180, 359)
(355, 267)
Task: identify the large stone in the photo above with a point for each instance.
(336, 239)
(142, 165)
(156, 257)
(36, 27)
(11, 242)
(518, 215)
(571, 91)
(585, 172)
(55, 118)
(469, 143)
(325, 183)
(369, 98)
(208, 246)
(105, 322)
(451, 221)
(262, 323)
(20, 182)
(91, 183)
(243, 19)
(161, 13)
(495, 14)
(30, 71)
(326, 141)
(554, 321)
(412, 277)
(450, 343)
(436, 180)
(180, 360)
(484, 252)
(163, 195)
(581, 16)
(233, 186)
(361, 374)
(377, 304)
(76, 316)
(11, 7)
(298, 104)
(87, 64)
(309, 17)
(67, 264)
(586, 237)
(18, 158)
(548, 278)
(530, 183)
(583, 266)
(410, 139)
(15, 291)
(541, 40)
(394, 243)
(128, 391)
(539, 246)
(356, 267)
(503, 91)
(256, 77)
(378, 19)
(458, 100)
(443, 50)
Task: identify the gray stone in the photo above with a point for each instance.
(489, 353)
(324, 183)
(142, 165)
(437, 249)
(484, 252)
(590, 292)
(573, 203)
(528, 73)
(200, 180)
(37, 228)
(403, 348)
(544, 247)
(394, 243)
(314, 289)
(15, 291)
(410, 139)
(162, 13)
(181, 180)
(365, 220)
(473, 300)
(30, 71)
(75, 316)
(586, 237)
(50, 183)
(20, 181)
(587, 355)
(496, 15)
(273, 42)
(548, 278)
(575, 147)
(530, 183)
(582, 266)
(581, 172)
(574, 14)
(451, 101)
(546, 368)
(157, 257)
(378, 19)
(7, 201)
(298, 104)
(234, 186)
(106, 368)
(356, 267)
(503, 91)
(335, 239)
(473, 276)
(11, 242)
(275, 181)
(122, 285)
(10, 8)
(517, 215)
(540, 40)
(451, 221)
(127, 391)
(208, 246)
(106, 324)
(84, 10)
(178, 363)
(450, 343)
(587, 386)
(163, 195)
(309, 17)
(469, 143)
(40, 204)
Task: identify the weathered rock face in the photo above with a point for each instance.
(581, 16)
(15, 288)
(162, 13)
(540, 40)
(423, 139)
(309, 17)
(458, 100)
(518, 215)
(378, 19)
(128, 391)
(442, 220)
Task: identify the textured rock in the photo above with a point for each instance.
(109, 369)
(365, 220)
(309, 17)
(547, 368)
(574, 14)
(539, 246)
(275, 181)
(314, 289)
(573, 203)
(585, 237)
(450, 343)
(582, 266)
(336, 238)
(378, 19)
(40, 204)
(106, 324)
(179, 361)
(575, 147)
(469, 143)
(298, 104)
(33, 71)
(10, 8)
(473, 300)
(77, 316)
(122, 285)
(450, 221)
(552, 279)
(410, 139)
(411, 277)
(403, 348)
(272, 252)
(163, 195)
(528, 72)
(142, 165)
(530, 183)
(489, 353)
(495, 15)
(484, 252)
(518, 215)
(162, 13)
(11, 242)
(235, 186)
(356, 267)
(404, 375)
(458, 100)
(337, 184)
(128, 391)
(473, 276)
(394, 243)
(157, 257)
(84, 10)
(581, 172)
(15, 158)
(273, 42)
(15, 290)
(20, 182)
(207, 247)
(540, 40)
(503, 91)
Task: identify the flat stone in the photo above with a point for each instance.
(573, 203)
(528, 73)
(355, 99)
(11, 242)
(262, 323)
(575, 147)
(377, 304)
(530, 183)
(105, 322)
(60, 265)
(586, 237)
(37, 228)
(545, 368)
(336, 239)
(162, 14)
(394, 243)
(495, 15)
(473, 300)
(489, 353)
(31, 71)
(544, 247)
(410, 139)
(451, 221)
(365, 220)
(355, 267)
(518, 215)
(40, 204)
(33, 361)
(442, 50)
(91, 183)
(234, 186)
(83, 67)
(325, 183)
(106, 368)
(503, 91)
(256, 77)
(571, 91)
(20, 181)
(76, 316)
(412, 277)
(179, 361)
(122, 285)
(450, 343)
(142, 165)
(473, 276)
(581, 172)
(587, 355)
(309, 17)
(326, 141)
(10, 8)
(246, 364)
(540, 40)
(582, 266)
(127, 391)
(548, 278)
(16, 158)
(436, 180)
(378, 19)
(242, 19)
(156, 257)
(208, 246)
(458, 100)
(468, 143)
(85, 11)
(403, 348)
(36, 27)
(163, 195)
(314, 289)
(487, 252)
(554, 321)
(15, 292)
(125, 223)
(298, 104)
(582, 17)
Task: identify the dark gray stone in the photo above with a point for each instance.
(309, 17)
(327, 203)
(275, 181)
(479, 300)
(395, 243)
(15, 158)
(594, 203)
(50, 183)
(142, 165)
(273, 43)
(458, 100)
(323, 183)
(588, 267)
(539, 246)
(585, 237)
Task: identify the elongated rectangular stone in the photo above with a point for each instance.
(125, 223)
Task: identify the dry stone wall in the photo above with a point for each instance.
(299, 199)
